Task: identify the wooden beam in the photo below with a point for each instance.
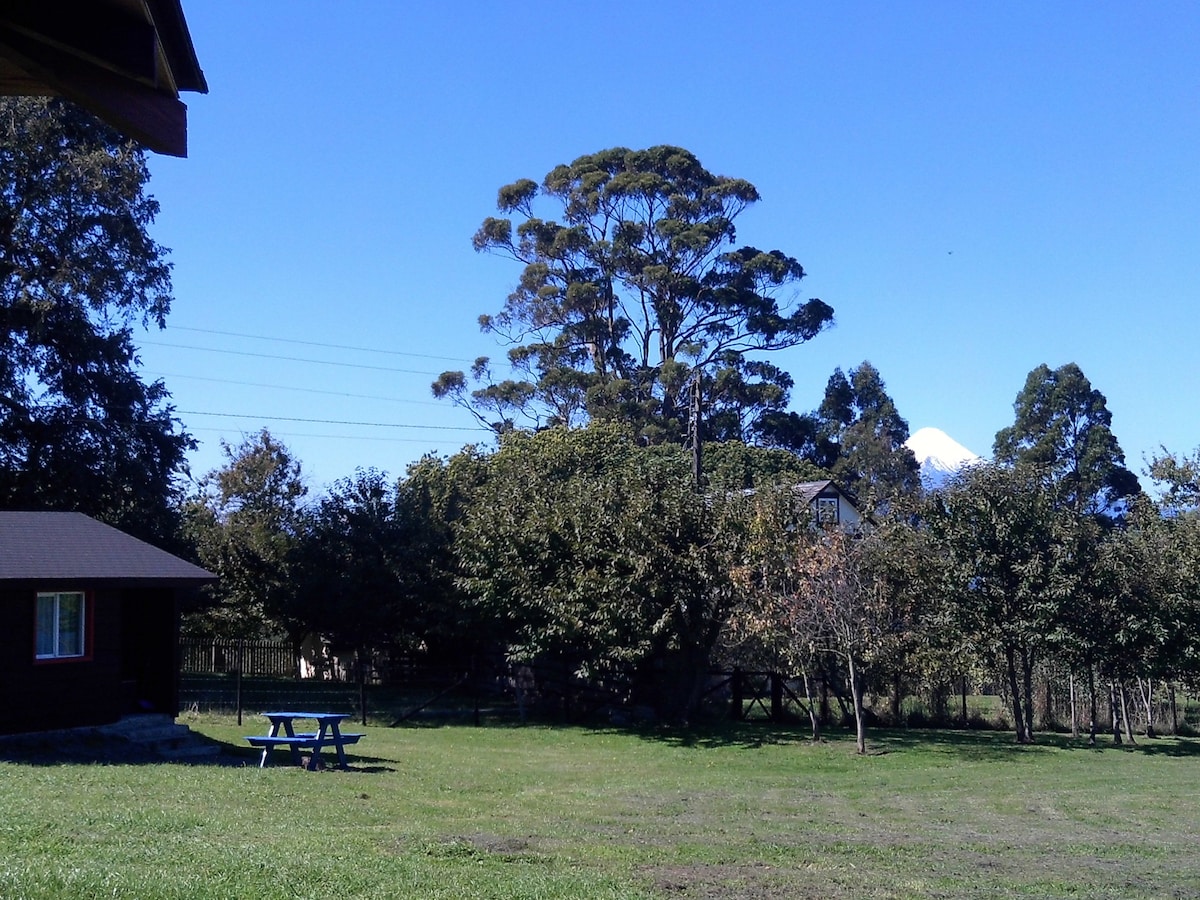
(104, 35)
(153, 117)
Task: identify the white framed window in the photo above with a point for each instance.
(827, 510)
(60, 628)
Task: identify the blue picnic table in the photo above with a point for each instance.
(328, 734)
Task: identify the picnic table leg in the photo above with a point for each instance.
(315, 760)
(337, 742)
(287, 726)
(265, 760)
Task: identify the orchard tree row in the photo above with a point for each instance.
(585, 547)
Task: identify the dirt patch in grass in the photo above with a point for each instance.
(737, 882)
(477, 845)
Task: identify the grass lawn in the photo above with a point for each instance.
(533, 812)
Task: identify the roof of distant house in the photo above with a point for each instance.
(810, 490)
(69, 546)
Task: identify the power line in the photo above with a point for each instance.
(263, 337)
(194, 412)
(386, 439)
(291, 387)
(318, 362)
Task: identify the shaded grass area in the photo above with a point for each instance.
(536, 812)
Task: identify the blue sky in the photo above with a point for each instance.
(975, 188)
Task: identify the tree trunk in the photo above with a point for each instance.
(1116, 715)
(1014, 692)
(1027, 685)
(813, 716)
(1147, 693)
(824, 697)
(964, 701)
(1092, 703)
(1123, 693)
(860, 724)
(1074, 711)
(1174, 710)
(897, 698)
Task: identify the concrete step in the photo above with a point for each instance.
(162, 736)
(189, 751)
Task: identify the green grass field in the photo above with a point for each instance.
(533, 812)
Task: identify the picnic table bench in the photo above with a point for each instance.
(329, 734)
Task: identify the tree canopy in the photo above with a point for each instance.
(79, 429)
(1063, 426)
(861, 437)
(245, 522)
(584, 547)
(636, 304)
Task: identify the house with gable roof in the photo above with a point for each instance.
(91, 622)
(829, 504)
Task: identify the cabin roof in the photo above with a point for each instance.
(69, 546)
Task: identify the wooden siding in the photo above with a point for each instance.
(131, 658)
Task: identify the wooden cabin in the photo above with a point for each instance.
(91, 628)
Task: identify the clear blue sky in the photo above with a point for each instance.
(975, 188)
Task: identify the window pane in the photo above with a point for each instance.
(45, 624)
(70, 624)
(827, 510)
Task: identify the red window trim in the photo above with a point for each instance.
(89, 624)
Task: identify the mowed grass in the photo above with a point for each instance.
(535, 812)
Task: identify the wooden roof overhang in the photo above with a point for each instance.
(124, 60)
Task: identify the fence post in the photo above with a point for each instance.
(475, 687)
(362, 686)
(776, 697)
(737, 708)
(241, 664)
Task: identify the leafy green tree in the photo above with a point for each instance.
(352, 582)
(79, 429)
(245, 522)
(1179, 476)
(916, 650)
(1145, 607)
(582, 546)
(1063, 426)
(432, 501)
(862, 438)
(732, 466)
(635, 305)
(1006, 572)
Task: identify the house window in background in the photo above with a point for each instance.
(827, 510)
(60, 625)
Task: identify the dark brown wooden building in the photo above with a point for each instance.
(125, 60)
(91, 622)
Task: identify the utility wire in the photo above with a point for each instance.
(318, 362)
(337, 437)
(263, 337)
(196, 412)
(291, 387)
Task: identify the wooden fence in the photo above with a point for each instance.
(270, 676)
(276, 659)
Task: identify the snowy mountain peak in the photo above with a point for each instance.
(939, 455)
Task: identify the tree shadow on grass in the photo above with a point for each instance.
(87, 747)
(997, 746)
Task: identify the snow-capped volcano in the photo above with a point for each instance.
(939, 455)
